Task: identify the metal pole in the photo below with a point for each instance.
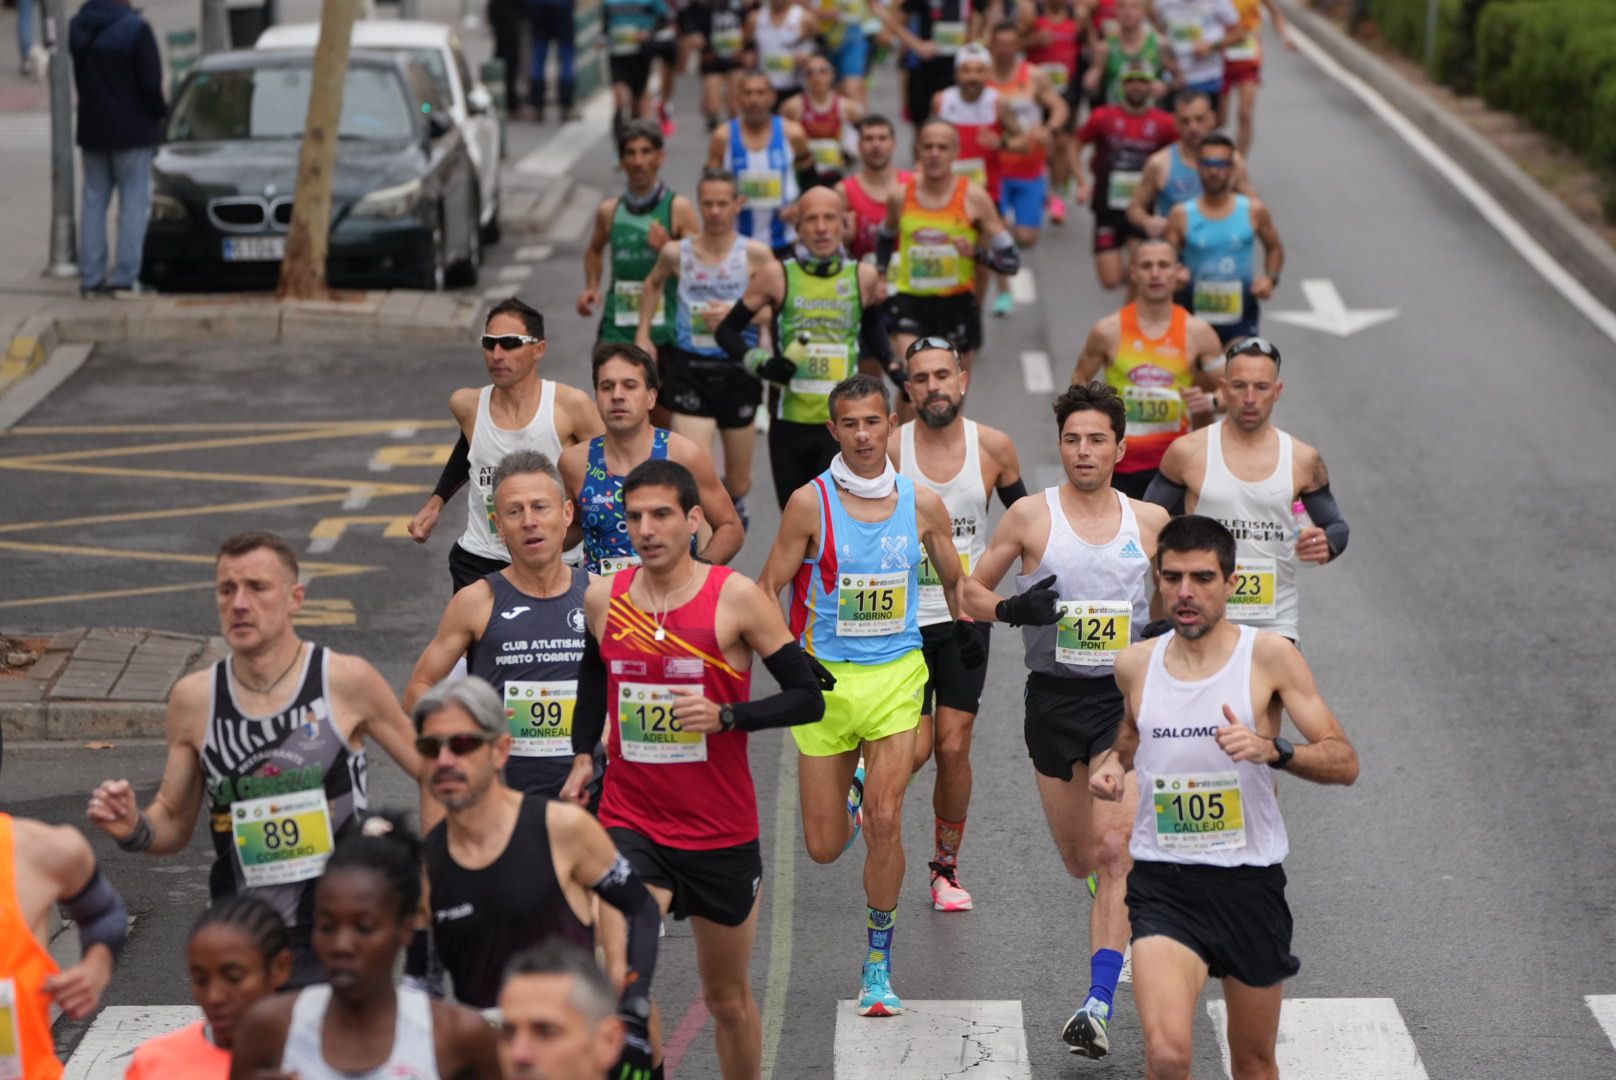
(63, 239)
(215, 27)
(1430, 35)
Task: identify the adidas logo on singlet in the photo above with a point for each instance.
(1130, 550)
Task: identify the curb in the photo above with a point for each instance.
(1581, 252)
(102, 684)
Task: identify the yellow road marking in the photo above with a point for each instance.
(178, 511)
(376, 487)
(314, 569)
(108, 594)
(333, 612)
(328, 432)
(332, 528)
(409, 456)
(178, 429)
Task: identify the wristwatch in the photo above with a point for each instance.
(1286, 752)
(726, 718)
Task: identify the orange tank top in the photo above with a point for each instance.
(1152, 374)
(26, 1048)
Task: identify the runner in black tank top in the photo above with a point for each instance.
(481, 918)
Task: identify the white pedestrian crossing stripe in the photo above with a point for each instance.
(1603, 1006)
(1024, 287)
(104, 1052)
(1036, 374)
(1336, 1039)
(985, 1040)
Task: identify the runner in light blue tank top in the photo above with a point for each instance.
(1220, 255)
(1183, 182)
(858, 600)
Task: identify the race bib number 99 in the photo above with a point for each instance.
(1199, 812)
(540, 715)
(650, 734)
(282, 839)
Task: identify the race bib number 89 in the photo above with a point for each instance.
(281, 839)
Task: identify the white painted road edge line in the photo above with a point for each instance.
(1036, 373)
(64, 361)
(555, 158)
(1499, 218)
(1603, 1006)
(1024, 287)
(105, 1050)
(986, 1040)
(782, 897)
(1336, 1039)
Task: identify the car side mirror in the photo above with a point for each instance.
(438, 124)
(479, 102)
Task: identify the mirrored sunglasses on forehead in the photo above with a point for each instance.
(920, 345)
(508, 342)
(1259, 345)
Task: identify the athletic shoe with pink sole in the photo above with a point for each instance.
(946, 894)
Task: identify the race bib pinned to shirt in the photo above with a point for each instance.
(1153, 410)
(949, 37)
(625, 40)
(1254, 583)
(1092, 632)
(1221, 302)
(931, 586)
(1057, 74)
(626, 304)
(973, 169)
(1199, 812)
(827, 154)
(870, 605)
(11, 1063)
(934, 267)
(826, 364)
(282, 839)
(1120, 188)
(540, 716)
(611, 564)
(649, 732)
(764, 189)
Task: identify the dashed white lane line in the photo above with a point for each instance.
(1336, 1039)
(515, 273)
(1024, 287)
(1036, 373)
(986, 1040)
(533, 253)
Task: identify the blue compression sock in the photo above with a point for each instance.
(880, 925)
(1105, 968)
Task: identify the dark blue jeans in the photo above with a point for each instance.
(552, 22)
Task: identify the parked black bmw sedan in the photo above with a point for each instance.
(404, 196)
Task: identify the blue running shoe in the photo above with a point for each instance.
(746, 519)
(1093, 882)
(876, 997)
(1085, 1031)
(855, 804)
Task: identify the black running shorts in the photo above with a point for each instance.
(954, 685)
(711, 386)
(720, 885)
(958, 318)
(1070, 720)
(1113, 230)
(1234, 918)
(633, 71)
(465, 568)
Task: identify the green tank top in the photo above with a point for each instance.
(632, 259)
(818, 330)
(1149, 55)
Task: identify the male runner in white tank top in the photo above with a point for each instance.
(518, 411)
(1247, 474)
(1085, 551)
(1207, 892)
(973, 461)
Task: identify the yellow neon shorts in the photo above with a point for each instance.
(871, 701)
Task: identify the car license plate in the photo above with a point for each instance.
(255, 249)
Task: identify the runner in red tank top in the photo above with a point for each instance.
(824, 114)
(667, 663)
(1055, 45)
(867, 191)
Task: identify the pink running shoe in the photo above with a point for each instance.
(1057, 210)
(946, 894)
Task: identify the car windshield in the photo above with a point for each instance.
(273, 103)
(432, 60)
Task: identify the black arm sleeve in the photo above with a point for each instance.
(589, 711)
(622, 888)
(100, 913)
(874, 344)
(1321, 507)
(456, 471)
(800, 701)
(1009, 493)
(886, 245)
(1165, 493)
(730, 332)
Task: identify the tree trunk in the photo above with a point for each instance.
(308, 238)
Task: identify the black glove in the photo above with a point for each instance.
(827, 681)
(969, 640)
(635, 1062)
(897, 373)
(1035, 607)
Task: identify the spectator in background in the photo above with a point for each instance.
(505, 22)
(120, 83)
(552, 22)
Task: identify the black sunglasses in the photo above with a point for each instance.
(430, 746)
(920, 345)
(509, 342)
(1259, 345)
(1217, 163)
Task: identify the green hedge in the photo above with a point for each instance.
(1553, 63)
(1402, 25)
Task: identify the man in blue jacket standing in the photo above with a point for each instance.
(120, 83)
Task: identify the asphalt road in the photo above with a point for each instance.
(1466, 877)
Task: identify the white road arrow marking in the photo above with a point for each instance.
(1330, 314)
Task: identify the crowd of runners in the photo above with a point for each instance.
(579, 720)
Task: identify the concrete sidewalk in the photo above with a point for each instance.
(98, 683)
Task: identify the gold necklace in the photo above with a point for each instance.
(660, 617)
